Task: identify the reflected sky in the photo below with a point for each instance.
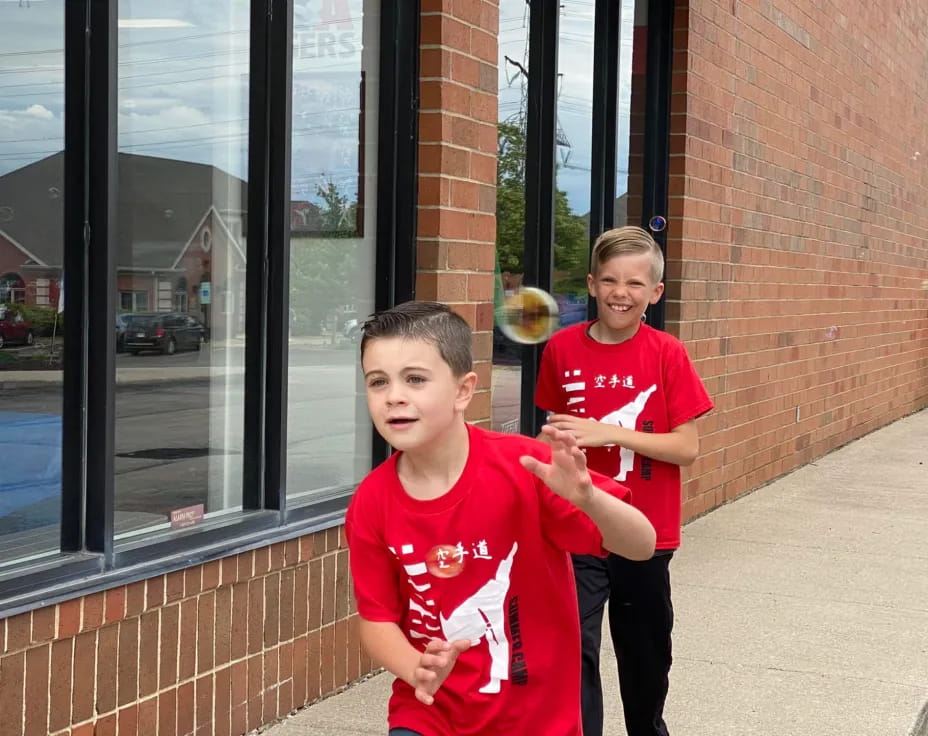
(183, 81)
(575, 103)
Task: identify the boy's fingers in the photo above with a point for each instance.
(459, 646)
(437, 645)
(424, 697)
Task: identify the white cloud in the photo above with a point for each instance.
(39, 111)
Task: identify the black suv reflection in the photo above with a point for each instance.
(165, 332)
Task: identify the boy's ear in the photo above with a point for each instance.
(589, 284)
(656, 294)
(467, 384)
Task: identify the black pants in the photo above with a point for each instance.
(640, 620)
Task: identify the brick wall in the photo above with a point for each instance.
(457, 170)
(219, 648)
(799, 219)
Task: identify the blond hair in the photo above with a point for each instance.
(621, 241)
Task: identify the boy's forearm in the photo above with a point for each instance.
(626, 531)
(676, 447)
(386, 644)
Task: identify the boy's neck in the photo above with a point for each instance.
(602, 334)
(430, 471)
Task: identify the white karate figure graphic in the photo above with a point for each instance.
(482, 615)
(627, 417)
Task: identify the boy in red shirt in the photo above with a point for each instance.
(629, 395)
(459, 544)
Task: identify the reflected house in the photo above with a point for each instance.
(180, 225)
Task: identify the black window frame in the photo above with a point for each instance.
(88, 560)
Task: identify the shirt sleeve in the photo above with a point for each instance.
(685, 394)
(566, 526)
(547, 391)
(374, 571)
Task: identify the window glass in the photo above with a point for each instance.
(31, 255)
(332, 244)
(182, 194)
(510, 203)
(573, 160)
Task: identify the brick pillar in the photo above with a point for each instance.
(457, 170)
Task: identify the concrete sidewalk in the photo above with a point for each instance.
(802, 608)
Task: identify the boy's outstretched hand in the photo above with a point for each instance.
(435, 665)
(567, 474)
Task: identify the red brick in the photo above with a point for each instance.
(206, 617)
(167, 713)
(44, 622)
(148, 653)
(105, 726)
(185, 709)
(174, 586)
(59, 686)
(170, 629)
(115, 606)
(69, 618)
(222, 708)
(107, 650)
(154, 592)
(211, 574)
(223, 625)
(82, 703)
(148, 714)
(187, 660)
(18, 632)
(255, 615)
(240, 629)
(204, 701)
(128, 675)
(135, 598)
(12, 681)
(128, 721)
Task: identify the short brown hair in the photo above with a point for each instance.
(623, 240)
(430, 321)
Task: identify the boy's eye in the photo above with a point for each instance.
(416, 379)
(376, 382)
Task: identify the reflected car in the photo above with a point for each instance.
(122, 320)
(14, 329)
(163, 332)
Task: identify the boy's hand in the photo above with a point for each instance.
(587, 432)
(567, 475)
(435, 665)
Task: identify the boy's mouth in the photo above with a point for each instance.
(620, 307)
(400, 421)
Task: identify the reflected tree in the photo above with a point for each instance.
(571, 246)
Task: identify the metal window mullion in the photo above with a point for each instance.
(253, 445)
(101, 278)
(540, 175)
(397, 162)
(280, 75)
(657, 129)
(77, 104)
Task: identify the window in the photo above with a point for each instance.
(182, 164)
(510, 203)
(133, 301)
(332, 244)
(31, 247)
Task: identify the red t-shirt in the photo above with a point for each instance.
(487, 561)
(646, 383)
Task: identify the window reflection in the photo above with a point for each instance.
(510, 204)
(573, 160)
(31, 255)
(333, 224)
(182, 142)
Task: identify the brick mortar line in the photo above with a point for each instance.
(459, 52)
(450, 208)
(452, 177)
(444, 14)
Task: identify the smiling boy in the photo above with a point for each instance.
(459, 544)
(630, 396)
